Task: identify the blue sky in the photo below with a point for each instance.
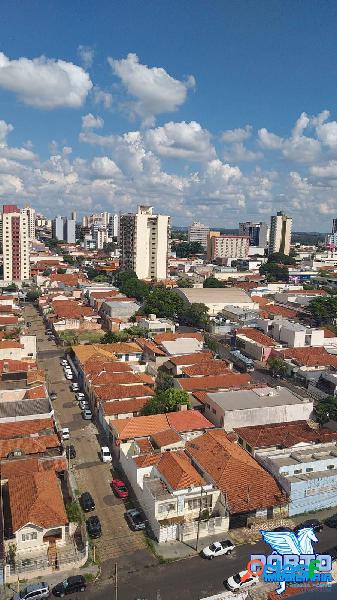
(218, 111)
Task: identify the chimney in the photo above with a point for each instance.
(182, 407)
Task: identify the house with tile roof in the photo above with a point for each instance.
(254, 343)
(171, 491)
(37, 513)
(176, 364)
(250, 492)
(22, 349)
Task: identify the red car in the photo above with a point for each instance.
(120, 488)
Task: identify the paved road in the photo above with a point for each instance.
(118, 542)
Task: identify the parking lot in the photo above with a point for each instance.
(117, 541)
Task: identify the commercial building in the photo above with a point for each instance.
(144, 241)
(64, 229)
(197, 232)
(227, 246)
(280, 233)
(258, 233)
(216, 299)
(15, 241)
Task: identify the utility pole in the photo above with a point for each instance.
(116, 582)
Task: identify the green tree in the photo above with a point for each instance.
(163, 303)
(274, 272)
(194, 315)
(277, 365)
(213, 282)
(61, 271)
(164, 380)
(283, 259)
(33, 295)
(109, 246)
(323, 309)
(12, 287)
(184, 282)
(166, 401)
(185, 249)
(326, 410)
(69, 259)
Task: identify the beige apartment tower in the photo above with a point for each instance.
(280, 233)
(15, 242)
(144, 243)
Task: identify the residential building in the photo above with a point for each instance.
(307, 475)
(251, 493)
(15, 242)
(222, 247)
(64, 229)
(113, 226)
(101, 219)
(294, 335)
(144, 242)
(280, 233)
(254, 343)
(31, 215)
(100, 237)
(258, 233)
(197, 232)
(216, 299)
(155, 325)
(253, 406)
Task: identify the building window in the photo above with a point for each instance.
(166, 507)
(249, 448)
(29, 536)
(309, 470)
(331, 467)
(297, 471)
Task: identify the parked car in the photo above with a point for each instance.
(94, 527)
(70, 451)
(68, 375)
(331, 521)
(65, 433)
(84, 404)
(105, 454)
(86, 414)
(135, 519)
(87, 502)
(120, 488)
(33, 591)
(64, 362)
(53, 396)
(218, 549)
(240, 581)
(71, 585)
(75, 387)
(316, 525)
(49, 332)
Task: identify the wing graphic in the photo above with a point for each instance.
(283, 542)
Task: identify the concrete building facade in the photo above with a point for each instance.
(144, 242)
(227, 246)
(31, 215)
(15, 241)
(280, 233)
(197, 232)
(258, 233)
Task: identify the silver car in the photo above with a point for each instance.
(33, 591)
(87, 414)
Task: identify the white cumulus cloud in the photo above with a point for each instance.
(86, 54)
(239, 152)
(154, 89)
(188, 141)
(45, 83)
(236, 135)
(89, 121)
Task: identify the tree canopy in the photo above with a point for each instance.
(166, 401)
(185, 249)
(213, 282)
(323, 309)
(281, 258)
(126, 335)
(274, 271)
(184, 282)
(277, 365)
(326, 410)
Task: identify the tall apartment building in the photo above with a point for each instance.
(144, 241)
(101, 219)
(31, 216)
(64, 229)
(280, 233)
(334, 226)
(258, 233)
(15, 242)
(227, 246)
(113, 227)
(197, 232)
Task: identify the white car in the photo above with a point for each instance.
(240, 581)
(68, 375)
(65, 433)
(105, 454)
(218, 549)
(64, 363)
(83, 403)
(75, 387)
(86, 414)
(79, 396)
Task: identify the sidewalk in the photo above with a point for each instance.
(91, 571)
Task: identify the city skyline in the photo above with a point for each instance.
(216, 127)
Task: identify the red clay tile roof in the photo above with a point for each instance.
(36, 392)
(4, 308)
(310, 356)
(10, 344)
(71, 279)
(7, 365)
(72, 310)
(136, 427)
(107, 294)
(215, 382)
(29, 445)
(120, 392)
(12, 320)
(284, 434)
(147, 379)
(144, 445)
(122, 348)
(4, 297)
(148, 345)
(36, 376)
(261, 300)
(172, 337)
(256, 336)
(191, 359)
(245, 484)
(98, 363)
(36, 499)
(212, 367)
(166, 438)
(178, 471)
(306, 292)
(276, 309)
(128, 378)
(22, 429)
(245, 285)
(121, 407)
(328, 333)
(147, 460)
(23, 466)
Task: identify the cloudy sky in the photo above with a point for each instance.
(219, 111)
